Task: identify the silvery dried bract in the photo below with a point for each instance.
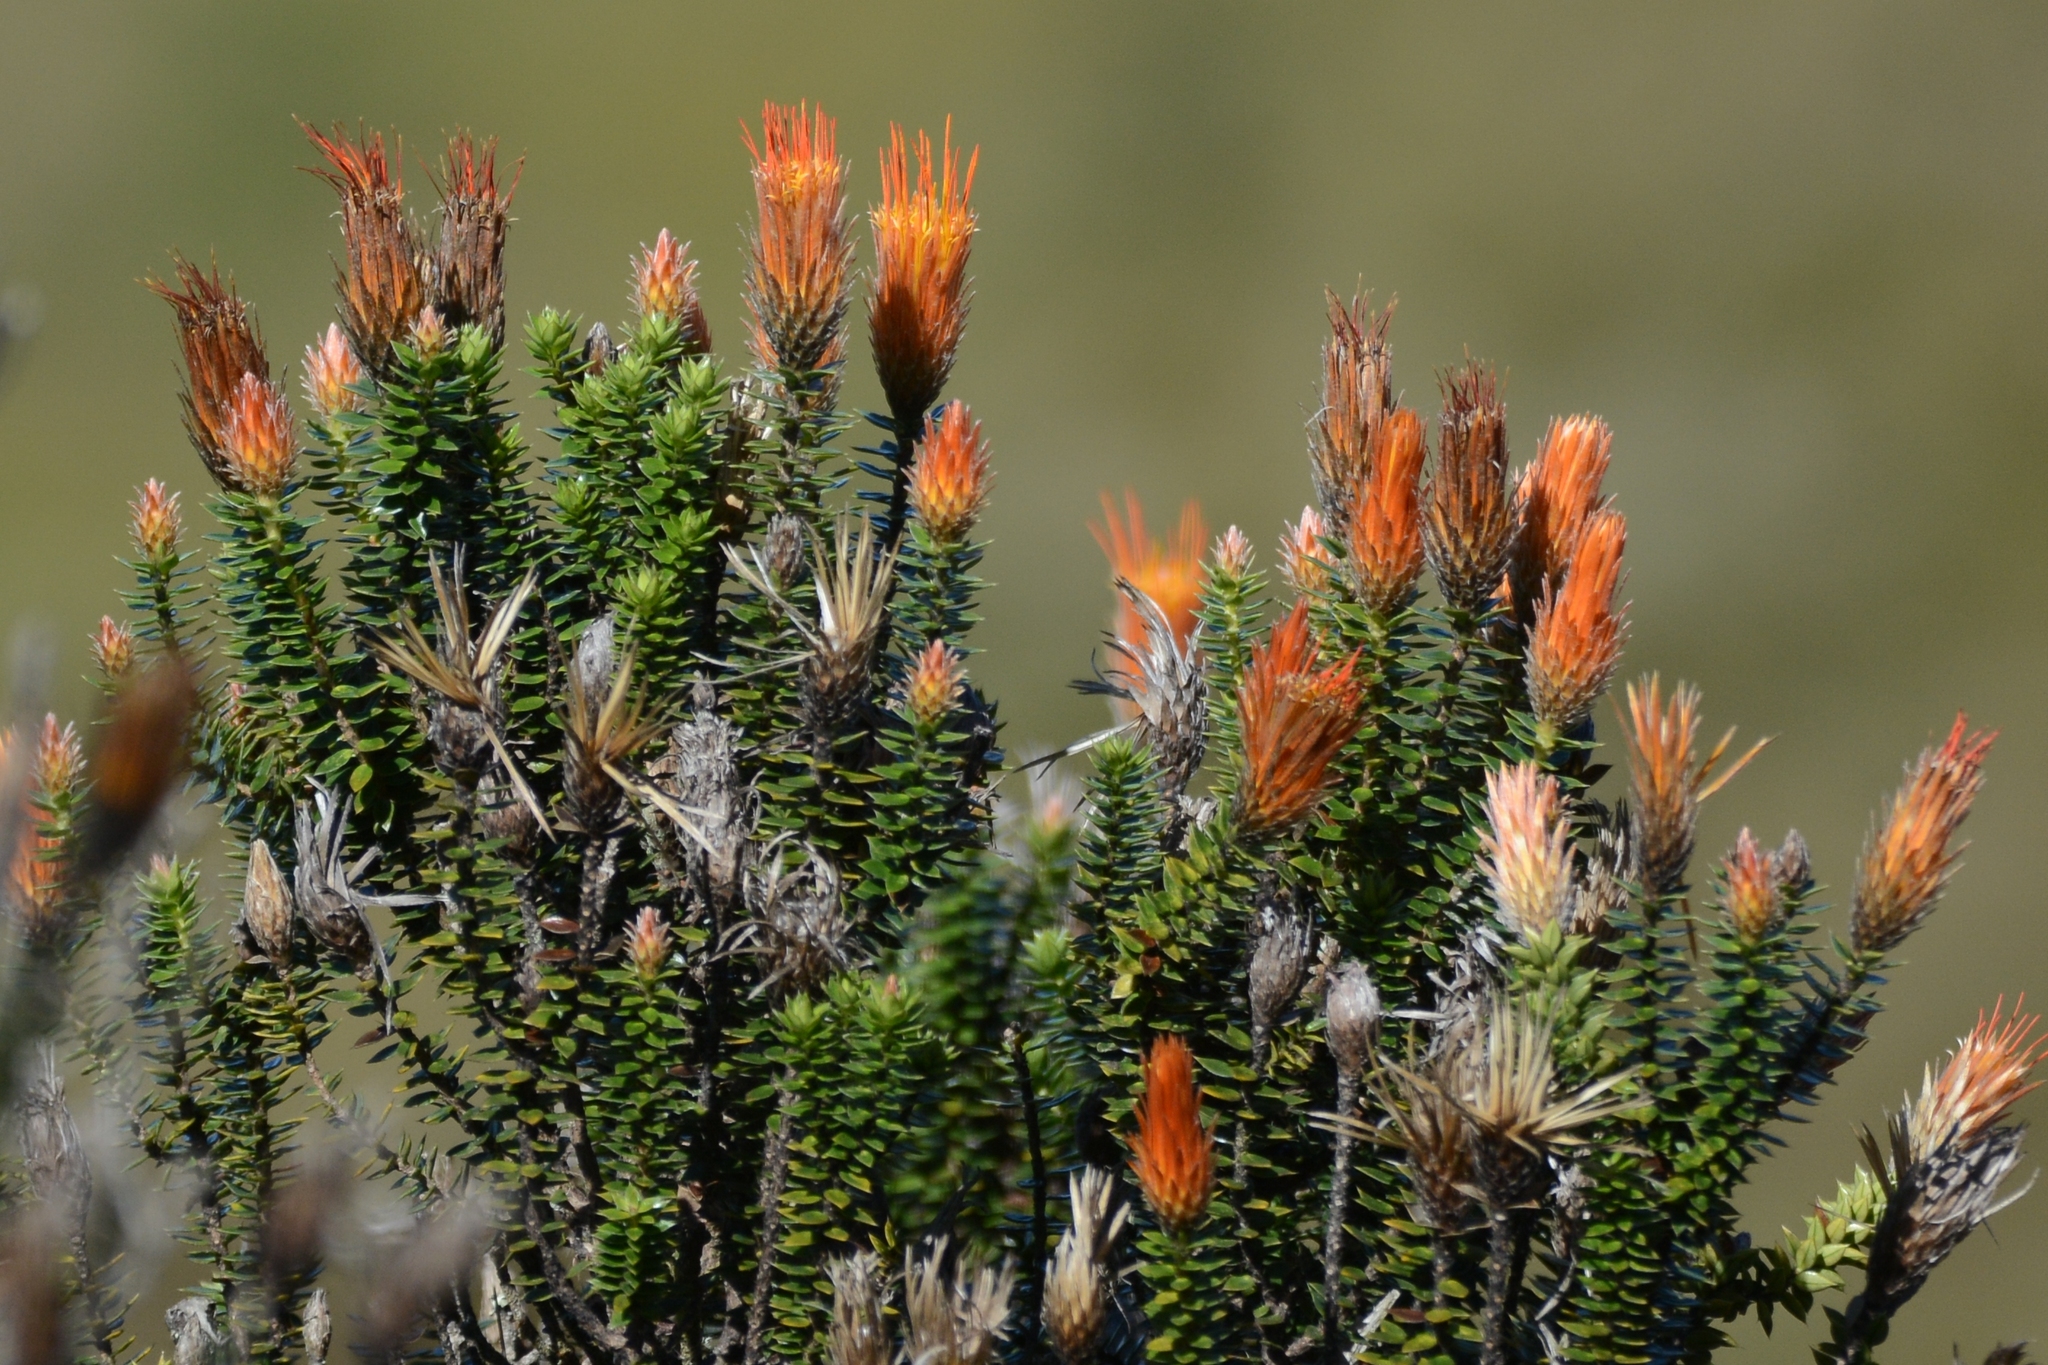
(326, 882)
(596, 655)
(267, 910)
(1079, 1285)
(1283, 947)
(1934, 1203)
(317, 1327)
(798, 927)
(193, 1335)
(50, 1147)
(714, 806)
(955, 1311)
(860, 1334)
(1166, 682)
(1352, 1022)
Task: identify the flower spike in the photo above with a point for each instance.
(218, 335)
(1295, 719)
(1575, 645)
(1469, 524)
(918, 309)
(801, 254)
(1556, 496)
(1172, 1154)
(1527, 849)
(949, 478)
(1908, 859)
(1386, 515)
(467, 282)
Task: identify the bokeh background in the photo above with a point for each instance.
(1794, 254)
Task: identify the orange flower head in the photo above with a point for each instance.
(258, 444)
(1295, 719)
(1232, 553)
(949, 478)
(1558, 494)
(332, 372)
(665, 285)
(1386, 515)
(1987, 1075)
(1526, 849)
(918, 307)
(1755, 889)
(1170, 574)
(1468, 520)
(1304, 560)
(1172, 1154)
(383, 284)
(933, 685)
(648, 943)
(1908, 859)
(218, 335)
(113, 647)
(1575, 644)
(466, 284)
(155, 523)
(801, 253)
(1358, 389)
(1666, 783)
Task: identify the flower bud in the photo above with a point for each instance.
(1232, 553)
(113, 647)
(1352, 1018)
(1795, 864)
(933, 686)
(430, 333)
(665, 285)
(949, 478)
(1304, 563)
(648, 944)
(155, 523)
(257, 445)
(332, 371)
(1172, 1154)
(1755, 890)
(1527, 849)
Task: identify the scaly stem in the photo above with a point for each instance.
(1034, 1248)
(1333, 1221)
(774, 1176)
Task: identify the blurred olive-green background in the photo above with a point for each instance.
(1798, 256)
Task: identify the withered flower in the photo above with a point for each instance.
(1504, 1087)
(919, 305)
(648, 944)
(1283, 947)
(797, 278)
(1526, 849)
(1907, 860)
(113, 648)
(1575, 643)
(50, 1144)
(1295, 719)
(1468, 519)
(1555, 498)
(782, 549)
(218, 335)
(1431, 1128)
(1170, 573)
(1304, 560)
(954, 1310)
(932, 687)
(860, 1330)
(1358, 389)
(712, 803)
(1666, 784)
(1079, 1287)
(1172, 1154)
(601, 731)
(799, 925)
(665, 285)
(327, 886)
(1351, 1018)
(383, 286)
(949, 478)
(193, 1335)
(155, 523)
(332, 375)
(258, 447)
(1386, 515)
(467, 277)
(1165, 685)
(267, 909)
(1755, 889)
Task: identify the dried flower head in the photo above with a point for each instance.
(258, 448)
(113, 647)
(1295, 719)
(919, 305)
(1575, 643)
(1351, 1018)
(1907, 859)
(954, 1309)
(1163, 681)
(317, 1327)
(155, 523)
(1556, 496)
(1985, 1077)
(665, 285)
(949, 478)
(601, 731)
(782, 549)
(860, 1331)
(1283, 948)
(1468, 519)
(1172, 1154)
(383, 286)
(1232, 553)
(799, 924)
(218, 335)
(1358, 389)
(1304, 559)
(332, 375)
(1078, 1286)
(326, 885)
(1170, 573)
(1504, 1085)
(1431, 1128)
(50, 1144)
(1526, 849)
(797, 277)
(1755, 889)
(1386, 515)
(648, 944)
(267, 909)
(932, 687)
(1666, 784)
(467, 274)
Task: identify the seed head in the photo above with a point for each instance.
(1985, 1077)
(949, 478)
(648, 944)
(1078, 1287)
(257, 446)
(1169, 573)
(1358, 389)
(860, 1332)
(1907, 859)
(383, 286)
(1172, 1154)
(267, 909)
(954, 1318)
(50, 1145)
(1575, 643)
(467, 272)
(1232, 553)
(1556, 497)
(332, 372)
(932, 688)
(1795, 864)
(919, 305)
(155, 523)
(1351, 1023)
(1526, 849)
(1283, 947)
(113, 647)
(665, 285)
(1386, 515)
(1304, 560)
(1295, 719)
(218, 335)
(801, 255)
(1755, 889)
(1431, 1127)
(1666, 784)
(1468, 520)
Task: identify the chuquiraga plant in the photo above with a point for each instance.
(637, 804)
